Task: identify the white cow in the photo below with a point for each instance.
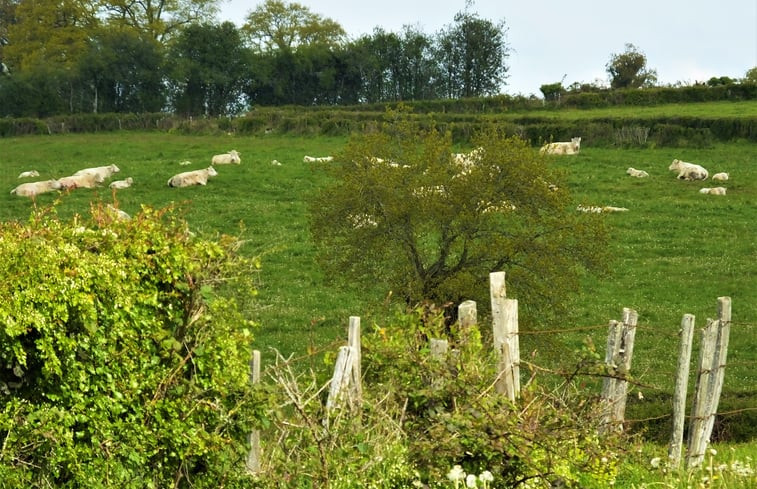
(688, 171)
(317, 159)
(562, 148)
(637, 173)
(85, 180)
(232, 157)
(121, 184)
(31, 189)
(720, 177)
(28, 174)
(196, 177)
(713, 191)
(101, 173)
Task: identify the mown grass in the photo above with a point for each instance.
(745, 108)
(676, 250)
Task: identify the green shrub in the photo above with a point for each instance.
(123, 357)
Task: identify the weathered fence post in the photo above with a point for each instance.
(620, 343)
(700, 405)
(438, 348)
(353, 340)
(340, 381)
(679, 395)
(712, 362)
(625, 355)
(467, 318)
(253, 456)
(608, 384)
(505, 336)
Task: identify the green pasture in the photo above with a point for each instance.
(675, 249)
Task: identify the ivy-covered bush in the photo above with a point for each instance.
(123, 354)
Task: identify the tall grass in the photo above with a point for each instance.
(676, 249)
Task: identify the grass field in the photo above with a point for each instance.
(676, 250)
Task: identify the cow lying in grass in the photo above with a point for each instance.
(196, 177)
(562, 148)
(688, 171)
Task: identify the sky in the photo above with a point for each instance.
(552, 41)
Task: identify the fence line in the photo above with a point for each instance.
(345, 387)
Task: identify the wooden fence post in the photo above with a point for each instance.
(709, 382)
(625, 355)
(353, 340)
(252, 463)
(340, 381)
(679, 395)
(505, 336)
(700, 405)
(620, 343)
(467, 319)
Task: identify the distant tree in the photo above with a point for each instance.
(552, 91)
(429, 229)
(720, 80)
(629, 69)
(209, 69)
(471, 53)
(49, 32)
(124, 71)
(751, 75)
(7, 18)
(159, 19)
(280, 25)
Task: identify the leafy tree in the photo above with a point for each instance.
(552, 91)
(208, 72)
(279, 25)
(123, 355)
(751, 75)
(159, 19)
(430, 229)
(472, 54)
(124, 70)
(629, 69)
(49, 32)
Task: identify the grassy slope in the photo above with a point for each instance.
(677, 250)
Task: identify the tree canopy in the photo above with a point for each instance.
(629, 69)
(404, 212)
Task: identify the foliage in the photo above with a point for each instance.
(124, 355)
(159, 19)
(208, 67)
(305, 446)
(629, 69)
(471, 54)
(431, 228)
(453, 416)
(552, 91)
(277, 25)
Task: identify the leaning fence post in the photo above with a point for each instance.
(353, 340)
(701, 403)
(253, 456)
(679, 395)
(625, 355)
(340, 381)
(608, 383)
(505, 335)
(719, 360)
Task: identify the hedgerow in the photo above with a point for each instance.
(123, 354)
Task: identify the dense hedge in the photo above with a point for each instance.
(461, 117)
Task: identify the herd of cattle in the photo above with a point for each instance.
(95, 177)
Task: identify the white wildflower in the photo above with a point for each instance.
(470, 481)
(486, 476)
(655, 462)
(456, 474)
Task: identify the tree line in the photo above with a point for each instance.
(171, 55)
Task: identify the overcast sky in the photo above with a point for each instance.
(684, 40)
